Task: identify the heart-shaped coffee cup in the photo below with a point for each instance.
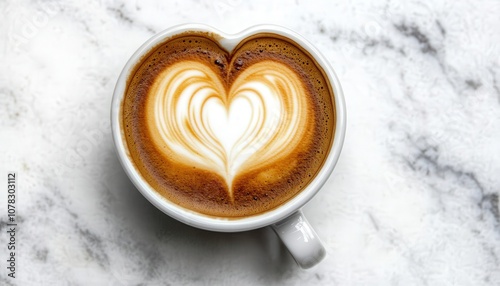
(287, 219)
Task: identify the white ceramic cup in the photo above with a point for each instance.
(287, 220)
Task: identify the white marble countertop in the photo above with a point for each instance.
(414, 199)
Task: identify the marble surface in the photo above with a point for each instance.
(414, 199)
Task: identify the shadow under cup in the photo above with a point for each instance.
(286, 219)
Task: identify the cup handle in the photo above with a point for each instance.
(300, 239)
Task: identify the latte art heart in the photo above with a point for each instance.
(198, 119)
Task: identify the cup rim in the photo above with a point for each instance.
(206, 222)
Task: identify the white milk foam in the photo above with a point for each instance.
(257, 121)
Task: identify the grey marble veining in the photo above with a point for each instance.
(414, 199)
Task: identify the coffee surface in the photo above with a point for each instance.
(228, 134)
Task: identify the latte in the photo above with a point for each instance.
(228, 134)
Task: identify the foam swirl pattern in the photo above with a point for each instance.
(197, 119)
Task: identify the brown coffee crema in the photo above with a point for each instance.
(228, 134)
